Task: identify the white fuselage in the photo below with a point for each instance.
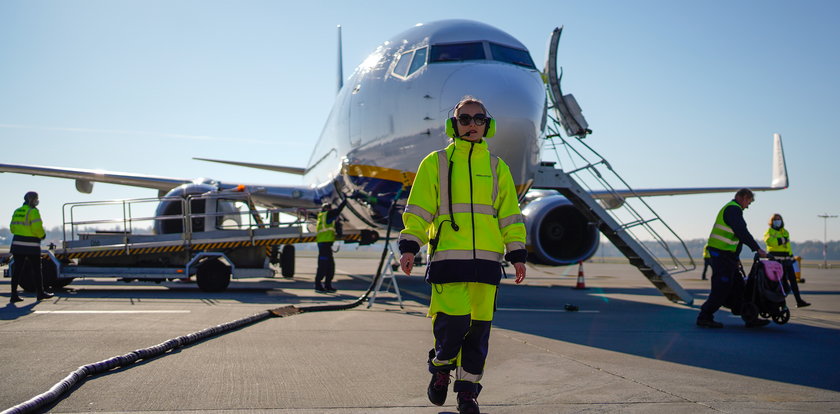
(388, 117)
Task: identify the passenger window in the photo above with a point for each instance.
(419, 60)
(402, 65)
(507, 54)
(456, 52)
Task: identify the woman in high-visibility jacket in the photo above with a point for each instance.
(463, 203)
(777, 240)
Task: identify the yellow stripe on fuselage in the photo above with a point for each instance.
(405, 177)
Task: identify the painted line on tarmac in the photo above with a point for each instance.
(111, 311)
(544, 310)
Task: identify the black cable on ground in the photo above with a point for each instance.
(85, 371)
(119, 361)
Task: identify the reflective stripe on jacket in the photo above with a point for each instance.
(484, 206)
(722, 236)
(778, 241)
(27, 229)
(326, 230)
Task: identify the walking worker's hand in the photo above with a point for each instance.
(520, 272)
(406, 263)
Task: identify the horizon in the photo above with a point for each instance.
(692, 90)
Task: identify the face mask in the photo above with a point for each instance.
(777, 223)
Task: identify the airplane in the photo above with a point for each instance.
(390, 114)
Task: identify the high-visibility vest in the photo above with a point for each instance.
(27, 229)
(722, 236)
(484, 205)
(326, 231)
(771, 239)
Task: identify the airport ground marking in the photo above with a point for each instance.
(109, 311)
(544, 310)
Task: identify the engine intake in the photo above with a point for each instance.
(558, 234)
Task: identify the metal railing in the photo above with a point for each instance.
(131, 217)
(634, 214)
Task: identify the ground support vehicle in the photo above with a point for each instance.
(217, 246)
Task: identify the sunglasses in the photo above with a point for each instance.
(479, 119)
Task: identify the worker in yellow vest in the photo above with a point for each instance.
(28, 231)
(707, 261)
(728, 234)
(463, 204)
(326, 232)
(777, 240)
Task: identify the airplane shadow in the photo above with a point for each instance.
(792, 353)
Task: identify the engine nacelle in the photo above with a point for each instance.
(558, 234)
(207, 201)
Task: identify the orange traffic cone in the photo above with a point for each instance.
(580, 283)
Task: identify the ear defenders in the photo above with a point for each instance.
(451, 128)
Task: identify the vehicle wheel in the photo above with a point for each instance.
(287, 261)
(749, 312)
(213, 275)
(50, 274)
(25, 282)
(62, 283)
(782, 317)
(764, 315)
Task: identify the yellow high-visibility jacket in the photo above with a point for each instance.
(722, 236)
(28, 231)
(484, 207)
(778, 241)
(324, 228)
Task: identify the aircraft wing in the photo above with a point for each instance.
(779, 182)
(277, 168)
(269, 196)
(85, 178)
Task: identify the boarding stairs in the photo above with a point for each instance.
(603, 197)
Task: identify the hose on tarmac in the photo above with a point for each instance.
(81, 374)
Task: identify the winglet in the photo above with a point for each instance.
(780, 175)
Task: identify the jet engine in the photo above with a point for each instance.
(209, 210)
(558, 234)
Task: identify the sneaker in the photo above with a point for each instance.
(709, 323)
(802, 304)
(467, 403)
(45, 295)
(319, 288)
(757, 323)
(15, 299)
(438, 387)
(330, 289)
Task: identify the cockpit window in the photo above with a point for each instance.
(410, 62)
(456, 52)
(419, 60)
(510, 55)
(402, 65)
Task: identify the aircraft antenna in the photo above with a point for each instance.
(340, 64)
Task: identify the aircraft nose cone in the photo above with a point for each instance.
(515, 98)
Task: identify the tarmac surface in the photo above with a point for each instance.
(627, 349)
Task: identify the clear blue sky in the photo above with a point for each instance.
(678, 93)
